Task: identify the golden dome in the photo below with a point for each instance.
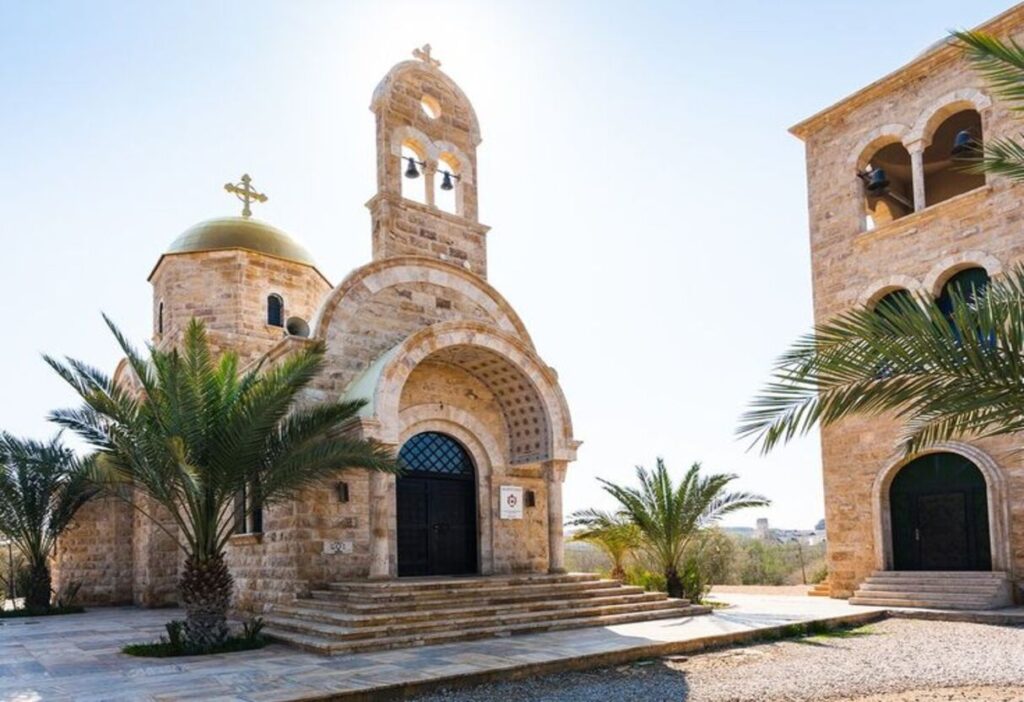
(240, 233)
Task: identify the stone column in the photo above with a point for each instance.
(916, 150)
(554, 474)
(380, 512)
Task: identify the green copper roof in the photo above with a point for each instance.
(240, 233)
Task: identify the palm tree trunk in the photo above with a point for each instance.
(39, 584)
(206, 587)
(673, 583)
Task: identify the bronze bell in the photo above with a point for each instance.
(963, 144)
(446, 182)
(877, 182)
(412, 171)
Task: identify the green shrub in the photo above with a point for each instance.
(647, 579)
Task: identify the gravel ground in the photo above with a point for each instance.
(896, 660)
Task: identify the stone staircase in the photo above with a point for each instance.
(935, 590)
(357, 616)
(822, 589)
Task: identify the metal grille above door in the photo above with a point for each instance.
(432, 452)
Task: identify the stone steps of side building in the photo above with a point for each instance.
(322, 644)
(314, 610)
(945, 575)
(466, 594)
(965, 588)
(340, 632)
(913, 595)
(923, 602)
(456, 583)
(475, 598)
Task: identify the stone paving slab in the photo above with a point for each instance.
(76, 657)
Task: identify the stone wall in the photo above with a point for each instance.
(96, 552)
(919, 252)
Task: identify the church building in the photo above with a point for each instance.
(892, 213)
(452, 379)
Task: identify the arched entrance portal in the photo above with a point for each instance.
(939, 510)
(436, 507)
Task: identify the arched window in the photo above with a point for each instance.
(888, 186)
(275, 310)
(413, 178)
(971, 283)
(433, 452)
(954, 142)
(446, 184)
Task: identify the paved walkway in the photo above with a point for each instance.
(77, 657)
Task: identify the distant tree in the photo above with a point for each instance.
(614, 534)
(42, 485)
(669, 517)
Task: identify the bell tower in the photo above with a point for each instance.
(426, 201)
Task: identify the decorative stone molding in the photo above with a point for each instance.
(533, 378)
(938, 110)
(950, 265)
(871, 142)
(998, 504)
(882, 287)
(345, 300)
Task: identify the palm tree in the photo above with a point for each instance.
(614, 534)
(944, 374)
(42, 485)
(195, 434)
(669, 516)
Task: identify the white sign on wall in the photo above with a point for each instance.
(334, 548)
(511, 499)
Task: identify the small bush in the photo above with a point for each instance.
(174, 644)
(68, 594)
(49, 611)
(648, 580)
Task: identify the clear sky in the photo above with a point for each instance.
(647, 203)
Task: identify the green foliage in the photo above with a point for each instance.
(42, 485)
(192, 431)
(165, 649)
(763, 564)
(40, 611)
(670, 517)
(175, 634)
(819, 574)
(614, 534)
(252, 629)
(945, 377)
(68, 594)
(647, 579)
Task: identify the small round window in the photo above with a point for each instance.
(430, 106)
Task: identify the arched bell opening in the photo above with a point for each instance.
(955, 144)
(436, 511)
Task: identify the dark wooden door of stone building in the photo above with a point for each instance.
(436, 508)
(939, 509)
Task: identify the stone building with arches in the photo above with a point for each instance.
(890, 214)
(452, 380)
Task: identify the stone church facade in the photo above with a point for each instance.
(890, 212)
(452, 379)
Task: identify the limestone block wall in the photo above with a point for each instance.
(156, 557)
(96, 551)
(228, 291)
(408, 228)
(918, 252)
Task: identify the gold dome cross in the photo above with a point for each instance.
(246, 193)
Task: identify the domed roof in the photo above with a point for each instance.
(240, 233)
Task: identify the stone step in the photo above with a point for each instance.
(943, 574)
(922, 603)
(457, 583)
(474, 599)
(328, 628)
(954, 588)
(479, 595)
(361, 616)
(933, 596)
(820, 590)
(328, 645)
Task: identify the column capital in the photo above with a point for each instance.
(916, 146)
(554, 471)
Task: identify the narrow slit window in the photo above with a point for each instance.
(275, 311)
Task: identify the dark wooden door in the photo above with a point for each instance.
(942, 532)
(436, 526)
(939, 512)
